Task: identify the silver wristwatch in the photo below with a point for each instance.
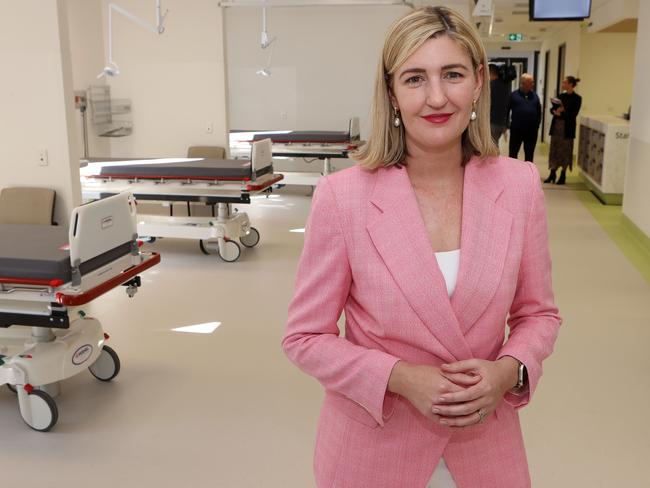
(522, 377)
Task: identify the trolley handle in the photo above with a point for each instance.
(264, 184)
(87, 296)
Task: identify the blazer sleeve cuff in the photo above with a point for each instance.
(379, 402)
(521, 399)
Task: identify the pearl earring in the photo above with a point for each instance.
(396, 121)
(473, 115)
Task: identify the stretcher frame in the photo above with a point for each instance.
(217, 233)
(304, 148)
(60, 340)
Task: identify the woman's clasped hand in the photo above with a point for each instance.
(457, 395)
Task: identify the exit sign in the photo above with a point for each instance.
(515, 37)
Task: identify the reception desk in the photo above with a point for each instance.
(602, 155)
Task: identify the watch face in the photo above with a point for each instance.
(522, 370)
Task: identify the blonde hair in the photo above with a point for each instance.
(386, 145)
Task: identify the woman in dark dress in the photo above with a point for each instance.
(563, 130)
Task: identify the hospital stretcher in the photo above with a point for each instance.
(323, 145)
(47, 273)
(219, 183)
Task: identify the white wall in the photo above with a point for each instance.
(636, 198)
(176, 81)
(612, 12)
(36, 100)
(85, 24)
(613, 55)
(323, 65)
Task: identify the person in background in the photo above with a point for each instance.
(563, 130)
(423, 388)
(525, 116)
(499, 94)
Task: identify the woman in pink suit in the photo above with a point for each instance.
(430, 246)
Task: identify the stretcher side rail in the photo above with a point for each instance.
(199, 193)
(162, 176)
(163, 197)
(28, 281)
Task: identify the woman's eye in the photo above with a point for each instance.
(453, 75)
(414, 80)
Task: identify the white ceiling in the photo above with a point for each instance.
(511, 16)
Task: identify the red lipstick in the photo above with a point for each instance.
(437, 118)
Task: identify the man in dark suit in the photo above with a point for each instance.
(499, 95)
(525, 113)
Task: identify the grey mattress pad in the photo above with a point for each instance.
(305, 136)
(204, 169)
(34, 252)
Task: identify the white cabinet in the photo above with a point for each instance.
(602, 155)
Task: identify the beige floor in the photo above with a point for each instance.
(227, 410)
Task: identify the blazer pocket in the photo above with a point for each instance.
(355, 411)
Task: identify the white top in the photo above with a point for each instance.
(448, 262)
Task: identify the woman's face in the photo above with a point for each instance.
(566, 86)
(433, 90)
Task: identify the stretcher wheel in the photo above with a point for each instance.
(208, 247)
(107, 365)
(39, 411)
(229, 251)
(252, 239)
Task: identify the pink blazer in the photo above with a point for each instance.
(367, 253)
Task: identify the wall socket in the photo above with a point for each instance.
(43, 159)
(209, 127)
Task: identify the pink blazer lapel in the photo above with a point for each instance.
(485, 235)
(398, 233)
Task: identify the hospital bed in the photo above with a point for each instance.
(219, 183)
(47, 273)
(321, 145)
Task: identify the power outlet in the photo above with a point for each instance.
(43, 159)
(209, 128)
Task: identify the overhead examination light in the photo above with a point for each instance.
(266, 41)
(111, 68)
(266, 70)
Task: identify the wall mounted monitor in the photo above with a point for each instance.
(559, 9)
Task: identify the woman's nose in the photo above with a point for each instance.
(436, 96)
